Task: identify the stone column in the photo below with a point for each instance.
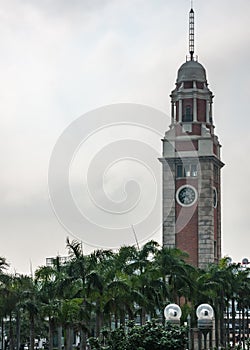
(168, 203)
(207, 112)
(173, 119)
(205, 214)
(195, 109)
(211, 111)
(180, 110)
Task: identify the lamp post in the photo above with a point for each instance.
(172, 313)
(205, 314)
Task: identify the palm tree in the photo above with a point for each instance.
(177, 275)
(3, 278)
(28, 301)
(78, 269)
(223, 285)
(142, 275)
(240, 296)
(89, 273)
(9, 301)
(49, 281)
(3, 265)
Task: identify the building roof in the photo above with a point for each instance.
(190, 71)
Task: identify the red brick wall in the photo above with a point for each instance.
(201, 110)
(188, 84)
(187, 238)
(216, 222)
(196, 129)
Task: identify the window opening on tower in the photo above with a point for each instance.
(187, 170)
(188, 116)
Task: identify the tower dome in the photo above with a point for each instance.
(191, 71)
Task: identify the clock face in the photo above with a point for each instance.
(186, 195)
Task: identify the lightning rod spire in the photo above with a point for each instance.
(191, 31)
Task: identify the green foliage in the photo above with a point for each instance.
(151, 336)
(105, 287)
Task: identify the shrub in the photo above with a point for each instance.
(151, 336)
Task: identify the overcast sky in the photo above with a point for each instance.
(61, 59)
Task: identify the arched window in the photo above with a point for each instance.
(188, 117)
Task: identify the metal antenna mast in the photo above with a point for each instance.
(137, 244)
(191, 32)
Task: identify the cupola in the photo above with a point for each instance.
(191, 71)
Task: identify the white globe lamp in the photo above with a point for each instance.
(172, 313)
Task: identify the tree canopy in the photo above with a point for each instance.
(112, 289)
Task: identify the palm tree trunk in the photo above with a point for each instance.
(116, 320)
(11, 344)
(51, 334)
(83, 336)
(68, 343)
(228, 329)
(216, 327)
(2, 333)
(222, 322)
(32, 332)
(99, 321)
(240, 326)
(233, 321)
(248, 331)
(18, 330)
(59, 337)
(143, 315)
(243, 327)
(122, 317)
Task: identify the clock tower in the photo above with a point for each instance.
(192, 166)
